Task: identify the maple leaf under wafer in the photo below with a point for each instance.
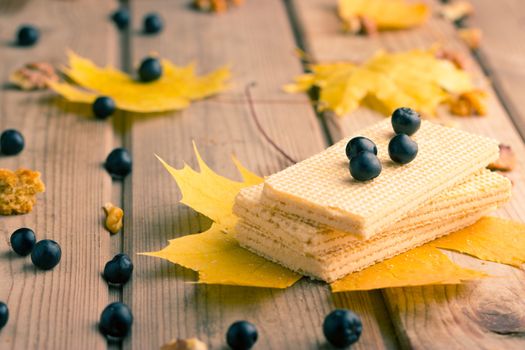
(415, 79)
(215, 253)
(175, 90)
(209, 193)
(491, 239)
(420, 266)
(219, 259)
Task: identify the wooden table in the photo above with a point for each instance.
(60, 309)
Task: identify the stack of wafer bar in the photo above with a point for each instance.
(315, 219)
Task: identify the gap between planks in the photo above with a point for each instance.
(302, 46)
(501, 53)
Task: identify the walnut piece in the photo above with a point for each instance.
(456, 10)
(471, 37)
(33, 76)
(469, 103)
(114, 217)
(18, 191)
(506, 160)
(215, 5)
(185, 344)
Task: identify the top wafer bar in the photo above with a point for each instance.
(320, 188)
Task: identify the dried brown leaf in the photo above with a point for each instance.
(33, 76)
(506, 160)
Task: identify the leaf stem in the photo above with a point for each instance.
(259, 126)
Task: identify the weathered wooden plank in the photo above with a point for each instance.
(468, 316)
(257, 41)
(502, 51)
(57, 309)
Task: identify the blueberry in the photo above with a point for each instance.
(150, 69)
(118, 163)
(241, 335)
(4, 314)
(153, 23)
(121, 18)
(365, 166)
(314, 93)
(461, 22)
(342, 328)
(118, 270)
(358, 145)
(405, 121)
(27, 35)
(11, 142)
(22, 241)
(402, 149)
(116, 320)
(103, 107)
(46, 254)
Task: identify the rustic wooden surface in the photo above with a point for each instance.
(60, 309)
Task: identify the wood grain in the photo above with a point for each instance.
(502, 51)
(434, 317)
(57, 309)
(257, 41)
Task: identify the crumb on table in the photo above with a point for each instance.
(18, 190)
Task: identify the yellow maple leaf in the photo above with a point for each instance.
(219, 259)
(415, 79)
(420, 266)
(491, 239)
(387, 14)
(215, 253)
(175, 90)
(249, 178)
(209, 193)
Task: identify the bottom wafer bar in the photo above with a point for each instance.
(338, 264)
